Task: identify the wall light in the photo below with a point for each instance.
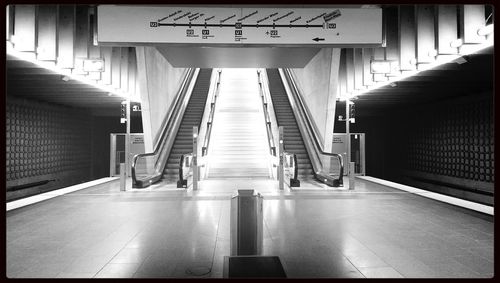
(93, 65)
(380, 67)
(456, 43)
(51, 66)
(432, 53)
(65, 78)
(486, 30)
(442, 59)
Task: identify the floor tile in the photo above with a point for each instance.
(131, 255)
(118, 270)
(372, 232)
(380, 272)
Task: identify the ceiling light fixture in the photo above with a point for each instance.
(93, 65)
(31, 57)
(486, 30)
(456, 43)
(432, 53)
(380, 67)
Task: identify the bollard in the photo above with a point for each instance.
(246, 223)
(122, 177)
(351, 175)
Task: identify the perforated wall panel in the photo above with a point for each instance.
(453, 140)
(45, 139)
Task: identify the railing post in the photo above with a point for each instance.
(194, 163)
(281, 173)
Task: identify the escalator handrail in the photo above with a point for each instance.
(304, 110)
(267, 118)
(208, 132)
(179, 99)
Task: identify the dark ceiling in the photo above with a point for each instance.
(444, 82)
(449, 80)
(25, 79)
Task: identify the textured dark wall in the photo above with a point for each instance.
(445, 146)
(56, 143)
(45, 142)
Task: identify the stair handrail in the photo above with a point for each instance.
(171, 119)
(267, 118)
(303, 111)
(268, 107)
(215, 95)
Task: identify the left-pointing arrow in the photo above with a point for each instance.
(318, 39)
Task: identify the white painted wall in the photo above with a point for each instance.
(159, 83)
(317, 82)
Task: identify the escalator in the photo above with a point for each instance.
(193, 115)
(285, 117)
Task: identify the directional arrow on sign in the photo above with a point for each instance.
(318, 39)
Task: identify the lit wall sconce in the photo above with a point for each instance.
(413, 61)
(486, 30)
(394, 68)
(456, 43)
(14, 39)
(433, 53)
(380, 67)
(93, 65)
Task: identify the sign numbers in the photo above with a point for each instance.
(153, 24)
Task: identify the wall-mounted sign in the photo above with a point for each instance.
(204, 25)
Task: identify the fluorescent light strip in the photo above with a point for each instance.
(49, 65)
(464, 50)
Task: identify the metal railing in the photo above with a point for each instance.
(215, 95)
(147, 168)
(291, 165)
(305, 121)
(186, 160)
(267, 118)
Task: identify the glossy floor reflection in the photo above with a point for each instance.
(374, 231)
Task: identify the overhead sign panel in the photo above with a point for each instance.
(259, 26)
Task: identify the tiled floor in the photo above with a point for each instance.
(374, 231)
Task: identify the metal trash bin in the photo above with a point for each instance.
(246, 223)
